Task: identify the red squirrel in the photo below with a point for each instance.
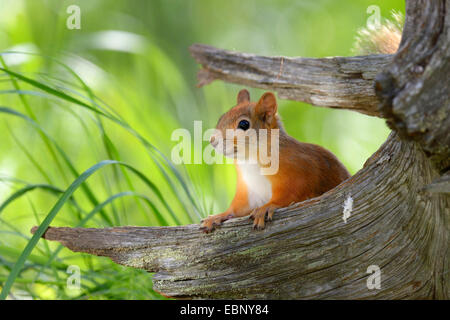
(304, 170)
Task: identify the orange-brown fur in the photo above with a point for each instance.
(305, 170)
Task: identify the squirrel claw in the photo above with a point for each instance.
(262, 214)
(270, 213)
(210, 223)
(258, 227)
(258, 216)
(207, 228)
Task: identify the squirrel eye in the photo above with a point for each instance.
(244, 125)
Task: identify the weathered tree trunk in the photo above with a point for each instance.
(397, 207)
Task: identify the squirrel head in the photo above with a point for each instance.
(242, 124)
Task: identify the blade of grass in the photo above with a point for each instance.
(49, 218)
(44, 225)
(150, 184)
(84, 186)
(70, 70)
(29, 156)
(14, 254)
(54, 92)
(46, 245)
(153, 151)
(33, 116)
(31, 187)
(92, 213)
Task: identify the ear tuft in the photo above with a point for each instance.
(267, 106)
(243, 96)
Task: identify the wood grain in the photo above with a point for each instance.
(307, 252)
(336, 82)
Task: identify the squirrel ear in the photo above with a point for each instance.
(243, 95)
(267, 106)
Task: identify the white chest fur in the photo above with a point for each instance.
(259, 187)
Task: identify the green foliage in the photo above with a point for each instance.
(112, 93)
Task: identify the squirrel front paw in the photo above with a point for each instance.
(210, 223)
(260, 214)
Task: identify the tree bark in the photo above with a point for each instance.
(336, 82)
(307, 252)
(394, 213)
(414, 88)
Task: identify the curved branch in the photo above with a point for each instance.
(414, 88)
(307, 251)
(337, 82)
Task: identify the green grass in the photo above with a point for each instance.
(154, 205)
(85, 122)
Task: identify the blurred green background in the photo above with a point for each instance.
(133, 80)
